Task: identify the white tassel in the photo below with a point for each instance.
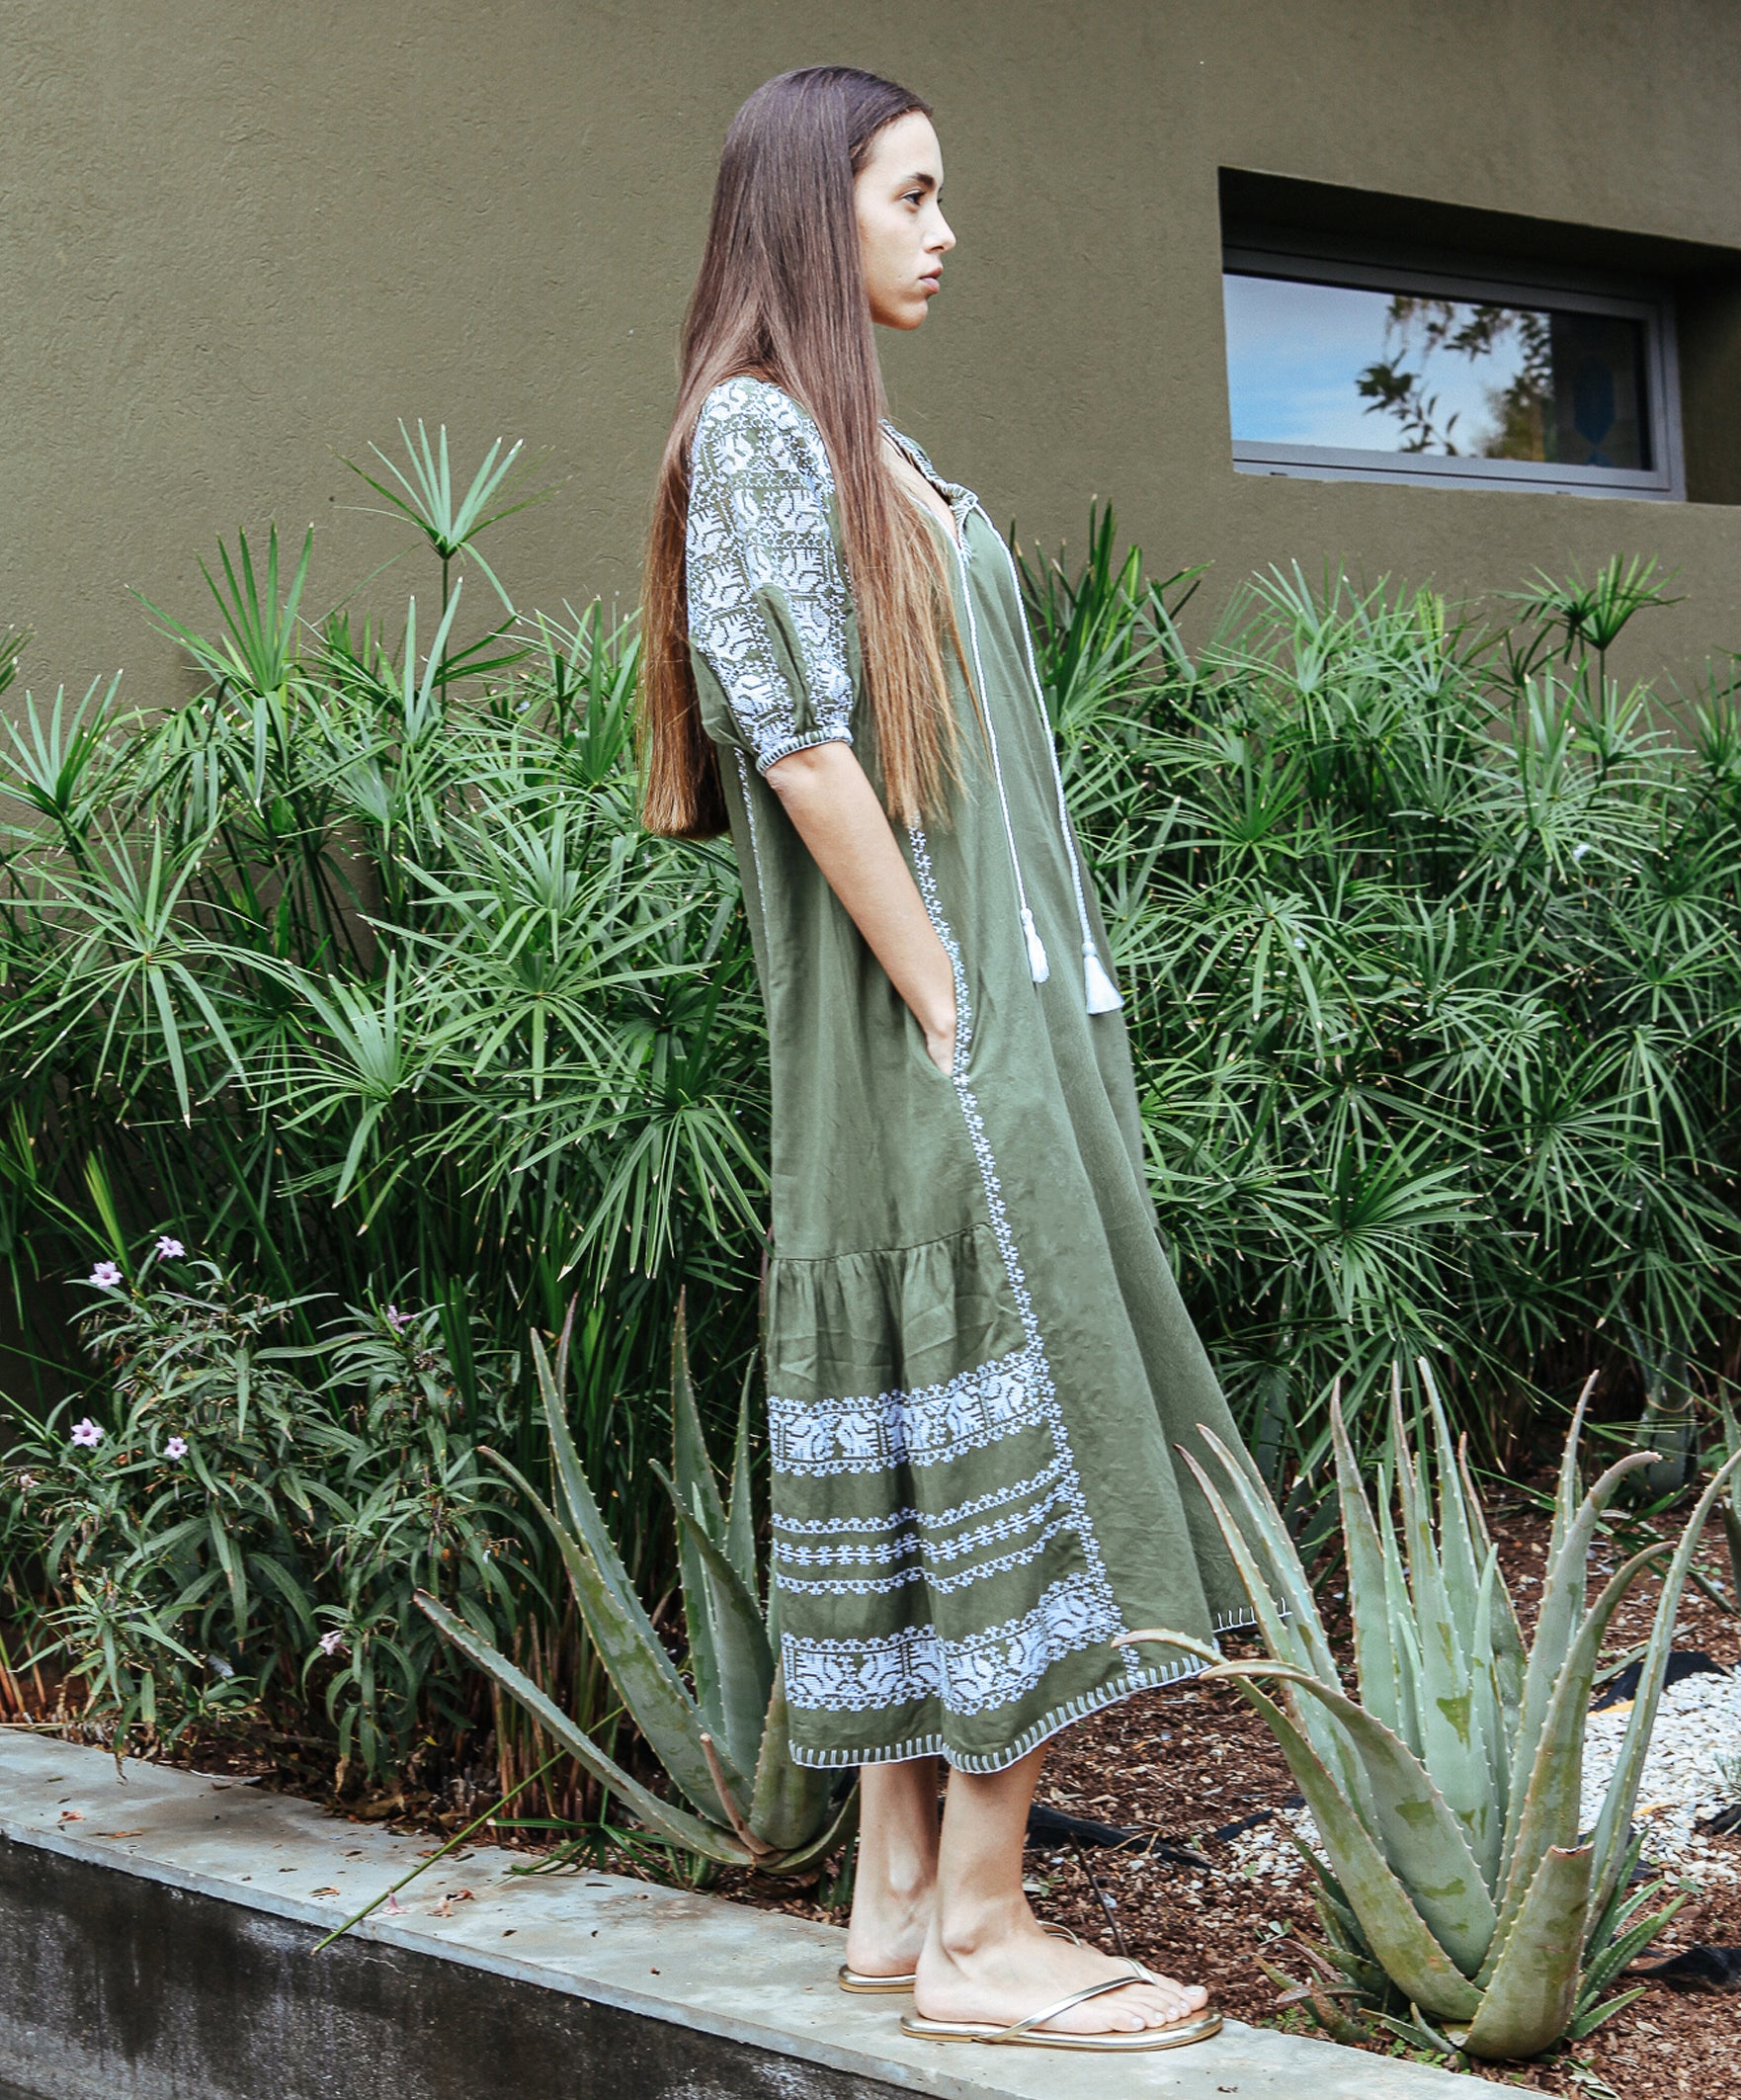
(1104, 996)
(1039, 968)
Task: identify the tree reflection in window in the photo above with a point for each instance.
(1417, 330)
(1569, 387)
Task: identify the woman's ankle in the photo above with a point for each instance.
(967, 1928)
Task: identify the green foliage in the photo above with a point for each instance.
(721, 1738)
(235, 1521)
(1431, 941)
(357, 972)
(1458, 1886)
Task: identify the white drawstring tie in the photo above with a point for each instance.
(1099, 994)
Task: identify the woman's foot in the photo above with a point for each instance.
(888, 1930)
(1006, 1969)
(894, 1886)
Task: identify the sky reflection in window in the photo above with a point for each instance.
(1354, 369)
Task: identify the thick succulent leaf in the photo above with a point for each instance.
(740, 1514)
(1423, 1840)
(1529, 2004)
(737, 1636)
(1375, 1649)
(1625, 1947)
(1401, 1607)
(1460, 1557)
(1622, 1793)
(788, 1806)
(1588, 2022)
(1394, 1929)
(839, 1832)
(581, 1508)
(660, 1816)
(1556, 1623)
(635, 1660)
(1565, 1498)
(1454, 1747)
(1270, 1528)
(697, 1495)
(1484, 1681)
(1508, 1636)
(689, 1463)
(1289, 1639)
(1549, 1817)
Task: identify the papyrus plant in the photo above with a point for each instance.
(1455, 1875)
(723, 1744)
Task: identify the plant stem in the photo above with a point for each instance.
(453, 1845)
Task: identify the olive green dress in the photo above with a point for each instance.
(977, 1361)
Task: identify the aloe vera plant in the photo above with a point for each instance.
(723, 1742)
(1454, 1877)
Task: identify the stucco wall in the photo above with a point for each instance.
(239, 239)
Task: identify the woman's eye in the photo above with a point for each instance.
(914, 196)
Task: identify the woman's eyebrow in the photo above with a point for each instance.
(924, 182)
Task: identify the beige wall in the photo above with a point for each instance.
(239, 239)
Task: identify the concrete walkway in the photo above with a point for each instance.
(155, 1931)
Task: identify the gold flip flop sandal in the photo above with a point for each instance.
(854, 1979)
(1030, 2034)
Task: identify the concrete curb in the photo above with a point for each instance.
(155, 1931)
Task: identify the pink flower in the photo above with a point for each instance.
(27, 1480)
(169, 1249)
(87, 1434)
(176, 1448)
(106, 1274)
(399, 1321)
(332, 1641)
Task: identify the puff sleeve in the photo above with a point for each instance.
(772, 634)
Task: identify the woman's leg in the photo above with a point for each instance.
(986, 1956)
(896, 1878)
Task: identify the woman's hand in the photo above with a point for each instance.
(835, 811)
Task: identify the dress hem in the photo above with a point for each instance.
(1042, 1730)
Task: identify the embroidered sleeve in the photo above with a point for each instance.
(769, 609)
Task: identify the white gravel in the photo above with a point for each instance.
(1697, 1723)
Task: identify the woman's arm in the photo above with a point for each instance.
(834, 807)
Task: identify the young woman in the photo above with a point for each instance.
(979, 1364)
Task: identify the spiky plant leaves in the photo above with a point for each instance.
(689, 1831)
(1423, 1840)
(725, 1623)
(1614, 1821)
(1531, 1995)
(788, 1801)
(1548, 1798)
(740, 1518)
(1377, 1664)
(1295, 1636)
(657, 1702)
(1393, 1927)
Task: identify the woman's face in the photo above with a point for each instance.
(904, 235)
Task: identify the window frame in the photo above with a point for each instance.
(1510, 284)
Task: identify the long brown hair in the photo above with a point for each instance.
(780, 295)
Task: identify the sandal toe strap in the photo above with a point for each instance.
(1064, 2005)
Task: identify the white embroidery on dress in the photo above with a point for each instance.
(883, 1552)
(760, 487)
(966, 1676)
(925, 1427)
(927, 1573)
(932, 1520)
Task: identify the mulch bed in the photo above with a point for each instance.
(1185, 1764)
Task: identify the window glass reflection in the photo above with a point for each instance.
(1400, 372)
